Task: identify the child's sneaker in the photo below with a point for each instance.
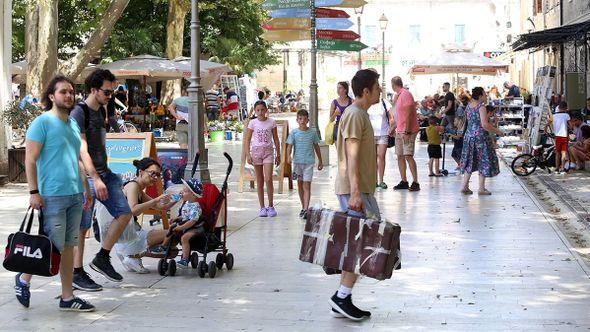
(263, 212)
(75, 304)
(271, 211)
(159, 250)
(301, 213)
(182, 263)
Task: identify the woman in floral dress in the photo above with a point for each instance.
(478, 153)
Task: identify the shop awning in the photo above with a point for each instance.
(458, 63)
(561, 35)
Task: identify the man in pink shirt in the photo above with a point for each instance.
(405, 137)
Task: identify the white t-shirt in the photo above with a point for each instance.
(379, 120)
(560, 124)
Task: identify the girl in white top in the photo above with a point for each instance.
(381, 117)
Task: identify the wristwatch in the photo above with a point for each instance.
(33, 192)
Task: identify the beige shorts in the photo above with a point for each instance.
(182, 133)
(381, 140)
(405, 148)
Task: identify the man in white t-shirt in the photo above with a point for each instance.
(560, 123)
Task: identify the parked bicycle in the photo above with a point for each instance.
(543, 156)
(124, 126)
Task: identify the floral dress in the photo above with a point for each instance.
(478, 152)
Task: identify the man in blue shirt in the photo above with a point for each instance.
(55, 182)
(513, 90)
(180, 111)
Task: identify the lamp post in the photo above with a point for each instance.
(383, 25)
(313, 86)
(196, 142)
(359, 11)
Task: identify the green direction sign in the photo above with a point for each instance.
(285, 4)
(340, 45)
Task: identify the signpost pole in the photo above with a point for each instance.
(313, 87)
(197, 113)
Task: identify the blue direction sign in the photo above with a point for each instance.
(333, 23)
(289, 4)
(291, 12)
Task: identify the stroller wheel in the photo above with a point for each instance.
(202, 269)
(212, 269)
(219, 260)
(171, 268)
(194, 259)
(229, 261)
(162, 267)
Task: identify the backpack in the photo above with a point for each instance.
(86, 110)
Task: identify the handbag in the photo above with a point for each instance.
(390, 141)
(329, 133)
(31, 254)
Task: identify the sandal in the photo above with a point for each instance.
(485, 192)
(466, 192)
(431, 175)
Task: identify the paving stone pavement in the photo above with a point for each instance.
(468, 263)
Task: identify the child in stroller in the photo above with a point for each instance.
(188, 223)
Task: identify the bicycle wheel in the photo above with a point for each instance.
(524, 165)
(130, 128)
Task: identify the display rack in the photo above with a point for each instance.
(512, 115)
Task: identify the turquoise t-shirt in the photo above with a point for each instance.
(182, 107)
(57, 166)
(303, 142)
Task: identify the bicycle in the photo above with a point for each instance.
(543, 156)
(124, 126)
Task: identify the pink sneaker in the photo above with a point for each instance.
(271, 211)
(263, 213)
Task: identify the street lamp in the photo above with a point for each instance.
(196, 142)
(383, 25)
(359, 11)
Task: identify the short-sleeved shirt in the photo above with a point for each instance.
(182, 108)
(212, 100)
(560, 124)
(433, 135)
(404, 100)
(96, 134)
(514, 91)
(190, 211)
(379, 118)
(578, 132)
(28, 99)
(355, 123)
(58, 173)
(262, 132)
(303, 142)
(450, 97)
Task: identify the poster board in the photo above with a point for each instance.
(284, 170)
(122, 149)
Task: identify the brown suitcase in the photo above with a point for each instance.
(338, 241)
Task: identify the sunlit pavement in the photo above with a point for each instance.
(468, 263)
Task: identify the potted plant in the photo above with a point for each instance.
(19, 119)
(216, 130)
(239, 129)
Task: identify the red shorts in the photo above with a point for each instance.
(561, 144)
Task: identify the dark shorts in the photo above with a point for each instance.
(116, 204)
(457, 148)
(434, 151)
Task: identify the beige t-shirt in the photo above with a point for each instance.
(355, 123)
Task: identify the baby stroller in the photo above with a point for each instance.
(213, 239)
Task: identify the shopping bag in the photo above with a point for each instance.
(32, 254)
(329, 133)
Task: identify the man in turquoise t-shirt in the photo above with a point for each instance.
(56, 186)
(304, 141)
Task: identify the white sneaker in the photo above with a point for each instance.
(134, 265)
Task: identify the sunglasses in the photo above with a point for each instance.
(107, 92)
(155, 174)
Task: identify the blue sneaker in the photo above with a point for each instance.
(182, 263)
(23, 293)
(158, 250)
(75, 304)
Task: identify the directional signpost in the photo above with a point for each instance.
(340, 45)
(305, 24)
(288, 4)
(286, 35)
(306, 13)
(337, 34)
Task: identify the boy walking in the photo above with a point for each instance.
(304, 142)
(560, 129)
(433, 132)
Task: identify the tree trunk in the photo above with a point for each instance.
(92, 48)
(177, 10)
(31, 24)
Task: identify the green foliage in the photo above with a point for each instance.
(16, 117)
(230, 31)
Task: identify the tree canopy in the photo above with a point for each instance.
(230, 31)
